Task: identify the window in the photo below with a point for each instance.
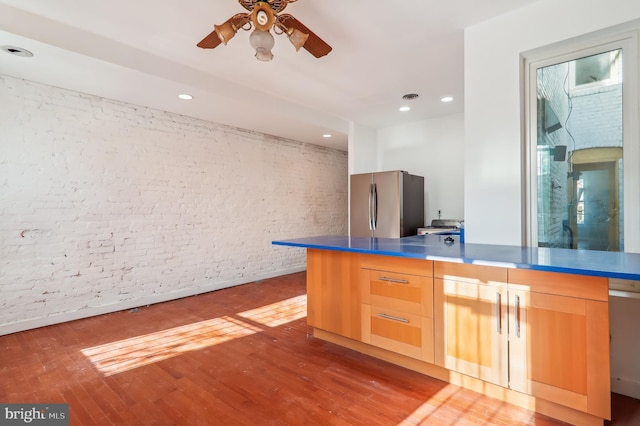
(582, 117)
(597, 70)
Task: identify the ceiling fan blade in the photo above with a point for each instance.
(213, 40)
(314, 44)
(210, 41)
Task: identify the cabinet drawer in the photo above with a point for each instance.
(398, 264)
(406, 334)
(402, 292)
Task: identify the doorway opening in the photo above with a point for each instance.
(597, 222)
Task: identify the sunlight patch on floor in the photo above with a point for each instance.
(428, 413)
(421, 415)
(278, 313)
(123, 355)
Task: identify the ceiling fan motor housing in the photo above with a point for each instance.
(263, 16)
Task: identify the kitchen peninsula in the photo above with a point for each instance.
(529, 326)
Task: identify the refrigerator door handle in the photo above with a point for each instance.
(375, 206)
(370, 207)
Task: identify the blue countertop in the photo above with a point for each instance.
(434, 247)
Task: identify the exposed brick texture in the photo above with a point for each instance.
(106, 206)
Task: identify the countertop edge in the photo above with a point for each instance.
(338, 243)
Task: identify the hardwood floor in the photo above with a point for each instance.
(239, 356)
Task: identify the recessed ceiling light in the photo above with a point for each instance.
(404, 108)
(185, 96)
(326, 135)
(446, 99)
(17, 51)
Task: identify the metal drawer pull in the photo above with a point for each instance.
(498, 313)
(391, 317)
(518, 316)
(393, 280)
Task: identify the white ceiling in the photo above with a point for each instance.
(144, 52)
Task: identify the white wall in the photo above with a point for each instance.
(430, 148)
(106, 206)
(493, 136)
(363, 149)
(433, 149)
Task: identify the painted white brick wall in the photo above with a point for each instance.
(552, 187)
(597, 121)
(106, 206)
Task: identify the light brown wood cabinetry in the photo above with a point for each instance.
(333, 292)
(540, 333)
(537, 339)
(471, 321)
(397, 305)
(562, 351)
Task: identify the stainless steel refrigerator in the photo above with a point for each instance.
(386, 204)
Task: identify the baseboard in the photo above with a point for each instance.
(135, 303)
(625, 386)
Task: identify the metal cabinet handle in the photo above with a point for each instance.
(518, 316)
(391, 317)
(498, 312)
(393, 280)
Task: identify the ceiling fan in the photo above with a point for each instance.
(263, 16)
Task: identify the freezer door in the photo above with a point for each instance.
(387, 197)
(361, 205)
(412, 205)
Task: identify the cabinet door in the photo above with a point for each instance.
(471, 328)
(333, 292)
(562, 352)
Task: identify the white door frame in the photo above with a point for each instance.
(585, 46)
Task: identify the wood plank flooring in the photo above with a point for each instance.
(239, 356)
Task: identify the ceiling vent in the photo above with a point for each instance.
(17, 51)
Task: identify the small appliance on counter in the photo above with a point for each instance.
(442, 226)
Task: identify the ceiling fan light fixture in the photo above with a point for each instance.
(264, 55)
(263, 42)
(297, 38)
(225, 31)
